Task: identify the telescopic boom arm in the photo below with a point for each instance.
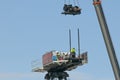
(107, 38)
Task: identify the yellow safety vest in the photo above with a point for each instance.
(72, 50)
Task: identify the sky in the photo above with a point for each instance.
(30, 28)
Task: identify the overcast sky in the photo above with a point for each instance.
(29, 28)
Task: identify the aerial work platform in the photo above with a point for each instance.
(56, 63)
(61, 65)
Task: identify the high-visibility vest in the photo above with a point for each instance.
(72, 50)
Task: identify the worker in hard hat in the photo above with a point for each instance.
(67, 55)
(72, 53)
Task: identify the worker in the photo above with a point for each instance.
(54, 57)
(68, 8)
(58, 56)
(76, 9)
(65, 8)
(72, 53)
(67, 56)
(63, 56)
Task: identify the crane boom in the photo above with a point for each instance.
(107, 38)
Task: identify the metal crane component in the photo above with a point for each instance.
(107, 38)
(59, 75)
(78, 43)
